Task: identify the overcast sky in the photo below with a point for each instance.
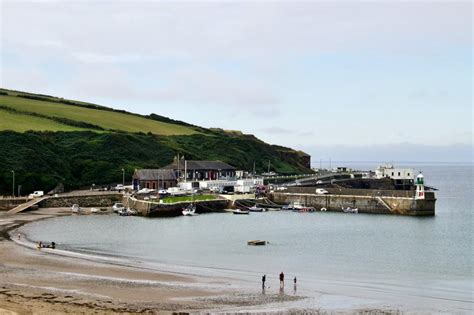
(331, 78)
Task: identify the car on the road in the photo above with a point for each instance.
(36, 194)
(321, 191)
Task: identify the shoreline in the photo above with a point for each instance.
(73, 282)
(82, 282)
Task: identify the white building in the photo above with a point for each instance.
(394, 173)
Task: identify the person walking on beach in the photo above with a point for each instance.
(282, 279)
(264, 277)
(294, 285)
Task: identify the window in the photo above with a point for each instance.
(398, 173)
(408, 174)
(393, 173)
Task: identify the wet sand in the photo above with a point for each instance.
(43, 282)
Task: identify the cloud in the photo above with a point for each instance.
(88, 57)
(248, 63)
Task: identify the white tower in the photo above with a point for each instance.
(420, 187)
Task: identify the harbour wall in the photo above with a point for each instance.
(375, 202)
(7, 203)
(153, 209)
(104, 200)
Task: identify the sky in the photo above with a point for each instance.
(369, 81)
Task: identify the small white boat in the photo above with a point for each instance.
(190, 210)
(350, 210)
(94, 210)
(75, 208)
(132, 211)
(254, 208)
(240, 211)
(127, 212)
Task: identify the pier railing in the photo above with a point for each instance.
(355, 192)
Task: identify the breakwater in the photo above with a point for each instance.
(102, 200)
(366, 200)
(155, 209)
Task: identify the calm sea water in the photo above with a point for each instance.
(425, 256)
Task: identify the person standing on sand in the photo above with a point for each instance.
(264, 277)
(282, 279)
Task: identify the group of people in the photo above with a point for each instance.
(40, 245)
(282, 280)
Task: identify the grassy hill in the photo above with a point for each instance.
(49, 140)
(96, 117)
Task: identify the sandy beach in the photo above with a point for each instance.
(43, 282)
(55, 281)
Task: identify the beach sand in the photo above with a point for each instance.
(52, 281)
(41, 282)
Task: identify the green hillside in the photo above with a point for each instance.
(49, 140)
(98, 116)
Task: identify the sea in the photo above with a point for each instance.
(340, 260)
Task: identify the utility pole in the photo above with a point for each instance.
(13, 184)
(123, 177)
(268, 166)
(179, 170)
(253, 168)
(19, 190)
(185, 170)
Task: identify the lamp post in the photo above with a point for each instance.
(13, 184)
(123, 177)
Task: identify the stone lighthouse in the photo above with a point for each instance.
(420, 187)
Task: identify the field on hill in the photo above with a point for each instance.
(21, 123)
(106, 119)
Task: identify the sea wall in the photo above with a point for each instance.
(83, 201)
(7, 203)
(369, 203)
(153, 209)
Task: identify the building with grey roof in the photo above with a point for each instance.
(154, 178)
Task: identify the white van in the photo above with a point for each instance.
(36, 194)
(321, 191)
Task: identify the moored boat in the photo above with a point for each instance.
(350, 210)
(305, 209)
(190, 210)
(240, 211)
(256, 242)
(255, 208)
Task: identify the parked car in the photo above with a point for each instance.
(321, 191)
(145, 191)
(36, 194)
(162, 192)
(117, 207)
(119, 187)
